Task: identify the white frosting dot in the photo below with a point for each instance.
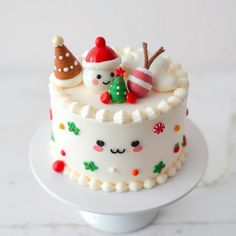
(149, 183)
(59, 69)
(71, 67)
(162, 178)
(135, 186)
(73, 175)
(117, 93)
(112, 170)
(83, 180)
(121, 187)
(76, 63)
(118, 87)
(61, 58)
(108, 187)
(95, 184)
(65, 69)
(67, 54)
(171, 171)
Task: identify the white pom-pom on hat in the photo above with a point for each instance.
(57, 41)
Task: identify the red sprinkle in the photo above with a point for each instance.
(58, 166)
(50, 113)
(63, 153)
(135, 172)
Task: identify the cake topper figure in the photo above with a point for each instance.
(67, 69)
(99, 66)
(140, 81)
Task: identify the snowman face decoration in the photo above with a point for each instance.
(98, 80)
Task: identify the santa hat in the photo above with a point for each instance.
(67, 69)
(101, 57)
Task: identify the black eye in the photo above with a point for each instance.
(135, 143)
(99, 76)
(112, 74)
(100, 143)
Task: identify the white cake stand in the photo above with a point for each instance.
(118, 212)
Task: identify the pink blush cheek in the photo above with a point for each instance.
(95, 82)
(97, 148)
(138, 148)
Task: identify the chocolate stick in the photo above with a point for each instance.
(156, 54)
(145, 53)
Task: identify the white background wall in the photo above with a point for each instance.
(199, 34)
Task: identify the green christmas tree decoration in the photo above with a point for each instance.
(159, 167)
(118, 89)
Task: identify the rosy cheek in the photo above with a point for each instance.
(95, 82)
(97, 148)
(139, 148)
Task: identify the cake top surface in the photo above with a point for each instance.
(119, 85)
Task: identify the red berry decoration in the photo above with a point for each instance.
(63, 153)
(159, 128)
(131, 97)
(58, 166)
(176, 148)
(105, 98)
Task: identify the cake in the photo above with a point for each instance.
(118, 116)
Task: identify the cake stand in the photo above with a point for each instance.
(118, 212)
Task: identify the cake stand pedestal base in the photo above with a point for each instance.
(119, 223)
(118, 212)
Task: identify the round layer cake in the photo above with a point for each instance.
(117, 146)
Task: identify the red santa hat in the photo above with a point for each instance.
(101, 57)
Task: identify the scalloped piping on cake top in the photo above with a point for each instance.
(120, 117)
(121, 187)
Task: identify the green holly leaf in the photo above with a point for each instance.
(72, 128)
(90, 166)
(159, 167)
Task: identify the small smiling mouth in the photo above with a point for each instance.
(117, 151)
(106, 83)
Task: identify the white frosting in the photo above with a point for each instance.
(162, 178)
(88, 111)
(135, 186)
(163, 106)
(151, 113)
(108, 187)
(138, 116)
(171, 171)
(103, 115)
(95, 184)
(83, 180)
(73, 175)
(121, 187)
(121, 117)
(149, 183)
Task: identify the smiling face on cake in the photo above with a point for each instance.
(99, 66)
(101, 146)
